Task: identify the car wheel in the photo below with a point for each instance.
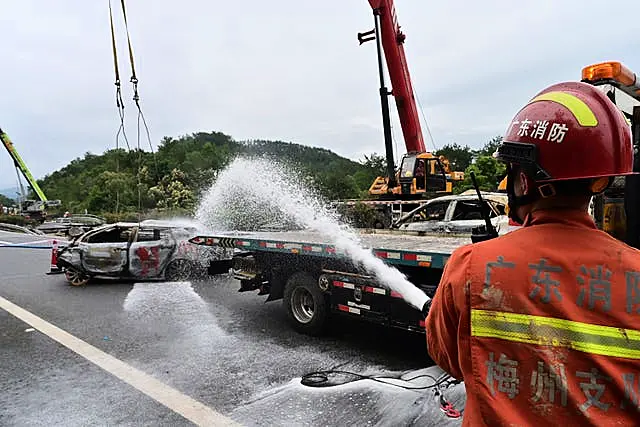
(306, 305)
(179, 269)
(75, 277)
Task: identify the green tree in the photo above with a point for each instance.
(459, 157)
(376, 163)
(173, 193)
(490, 147)
(113, 192)
(335, 186)
(374, 166)
(5, 201)
(488, 172)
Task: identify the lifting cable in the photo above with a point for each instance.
(120, 104)
(426, 124)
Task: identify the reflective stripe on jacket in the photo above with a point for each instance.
(542, 324)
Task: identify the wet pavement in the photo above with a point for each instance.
(228, 350)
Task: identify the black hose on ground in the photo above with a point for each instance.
(322, 379)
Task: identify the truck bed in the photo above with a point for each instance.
(423, 251)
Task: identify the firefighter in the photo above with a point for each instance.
(543, 323)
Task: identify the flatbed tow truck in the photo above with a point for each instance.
(315, 278)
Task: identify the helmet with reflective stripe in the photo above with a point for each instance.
(569, 131)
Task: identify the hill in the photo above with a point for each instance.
(9, 193)
(184, 167)
(5, 200)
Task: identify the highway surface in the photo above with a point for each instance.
(183, 353)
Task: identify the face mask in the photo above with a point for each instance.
(516, 201)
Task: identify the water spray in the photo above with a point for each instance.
(257, 192)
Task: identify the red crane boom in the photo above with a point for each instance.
(421, 174)
(392, 40)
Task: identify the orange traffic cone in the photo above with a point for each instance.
(54, 269)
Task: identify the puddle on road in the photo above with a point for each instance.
(174, 313)
(186, 347)
(163, 299)
(363, 402)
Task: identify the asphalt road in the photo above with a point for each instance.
(228, 350)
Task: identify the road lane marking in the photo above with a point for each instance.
(178, 402)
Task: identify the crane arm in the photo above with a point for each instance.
(22, 166)
(402, 90)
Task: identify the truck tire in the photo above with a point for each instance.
(306, 305)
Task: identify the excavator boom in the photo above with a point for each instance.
(19, 163)
(392, 40)
(421, 174)
(33, 209)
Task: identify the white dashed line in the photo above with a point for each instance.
(178, 402)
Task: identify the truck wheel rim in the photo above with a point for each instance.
(302, 305)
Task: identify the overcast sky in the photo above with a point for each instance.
(286, 69)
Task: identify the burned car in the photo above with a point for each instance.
(149, 250)
(455, 214)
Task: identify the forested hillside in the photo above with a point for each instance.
(184, 167)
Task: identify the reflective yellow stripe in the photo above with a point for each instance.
(578, 108)
(585, 337)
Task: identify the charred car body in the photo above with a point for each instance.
(149, 250)
(455, 214)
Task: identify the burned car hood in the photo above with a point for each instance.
(458, 227)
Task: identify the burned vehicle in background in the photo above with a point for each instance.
(13, 228)
(64, 225)
(455, 214)
(149, 250)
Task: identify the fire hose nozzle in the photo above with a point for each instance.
(426, 307)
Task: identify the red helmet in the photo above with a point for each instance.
(569, 131)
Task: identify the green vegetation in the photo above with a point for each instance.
(489, 172)
(182, 168)
(13, 219)
(119, 183)
(5, 201)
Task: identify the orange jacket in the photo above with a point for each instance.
(543, 325)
